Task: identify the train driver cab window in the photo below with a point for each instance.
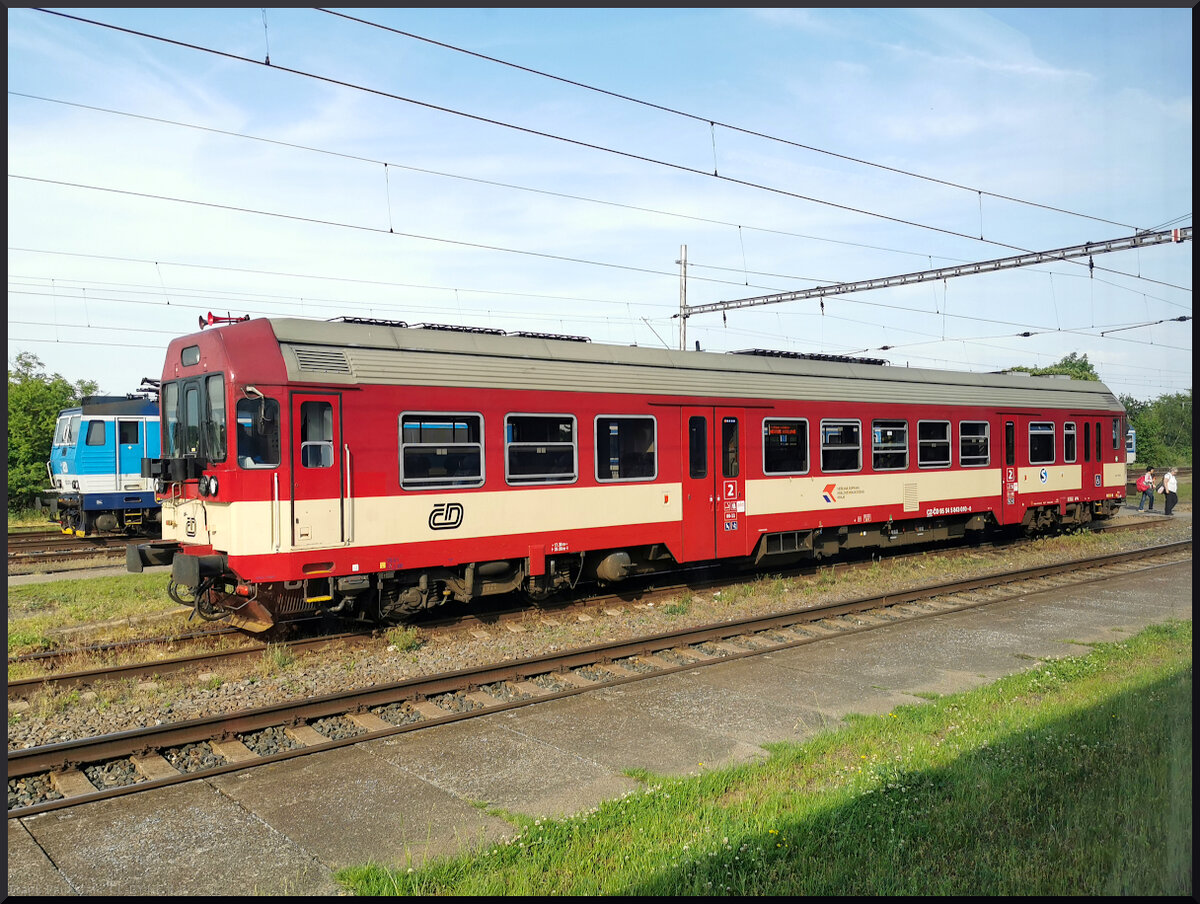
(258, 433)
(933, 444)
(889, 445)
(540, 448)
(1041, 443)
(316, 434)
(95, 433)
(841, 446)
(214, 417)
(974, 447)
(1069, 449)
(625, 448)
(785, 447)
(129, 432)
(441, 450)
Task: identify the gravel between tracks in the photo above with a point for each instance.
(57, 716)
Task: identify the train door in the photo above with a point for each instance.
(1009, 509)
(131, 449)
(1091, 467)
(714, 498)
(318, 490)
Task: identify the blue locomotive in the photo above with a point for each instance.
(95, 466)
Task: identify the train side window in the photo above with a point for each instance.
(841, 446)
(1116, 434)
(316, 434)
(625, 448)
(1010, 443)
(974, 444)
(95, 433)
(933, 444)
(1087, 441)
(785, 447)
(128, 432)
(1041, 443)
(1099, 443)
(258, 433)
(889, 445)
(698, 446)
(1069, 452)
(440, 450)
(731, 459)
(540, 448)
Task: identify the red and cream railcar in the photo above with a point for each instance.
(373, 470)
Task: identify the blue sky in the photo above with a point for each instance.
(162, 172)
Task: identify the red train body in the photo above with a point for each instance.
(374, 470)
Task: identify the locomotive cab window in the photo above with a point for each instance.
(974, 447)
(258, 433)
(193, 418)
(1041, 443)
(540, 448)
(441, 450)
(889, 445)
(625, 448)
(95, 433)
(933, 444)
(785, 447)
(841, 446)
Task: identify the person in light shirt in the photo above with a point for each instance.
(1171, 488)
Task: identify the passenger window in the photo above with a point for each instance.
(540, 448)
(625, 448)
(316, 434)
(889, 445)
(95, 433)
(1041, 443)
(441, 450)
(841, 446)
(933, 444)
(785, 447)
(974, 447)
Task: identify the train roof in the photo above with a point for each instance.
(381, 353)
(123, 406)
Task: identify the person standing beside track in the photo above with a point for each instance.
(1145, 485)
(1171, 488)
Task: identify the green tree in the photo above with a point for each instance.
(34, 400)
(1164, 428)
(1077, 367)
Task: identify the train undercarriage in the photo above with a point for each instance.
(206, 584)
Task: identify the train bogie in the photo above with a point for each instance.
(372, 471)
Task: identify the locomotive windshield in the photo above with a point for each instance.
(193, 418)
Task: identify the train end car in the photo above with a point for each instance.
(95, 466)
(371, 470)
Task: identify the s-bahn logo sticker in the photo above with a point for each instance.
(827, 493)
(1043, 475)
(446, 516)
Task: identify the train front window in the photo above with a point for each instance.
(194, 418)
(214, 418)
(170, 420)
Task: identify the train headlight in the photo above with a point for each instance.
(212, 486)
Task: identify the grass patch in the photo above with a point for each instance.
(1073, 778)
(39, 613)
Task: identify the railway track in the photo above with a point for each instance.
(495, 612)
(74, 772)
(48, 547)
